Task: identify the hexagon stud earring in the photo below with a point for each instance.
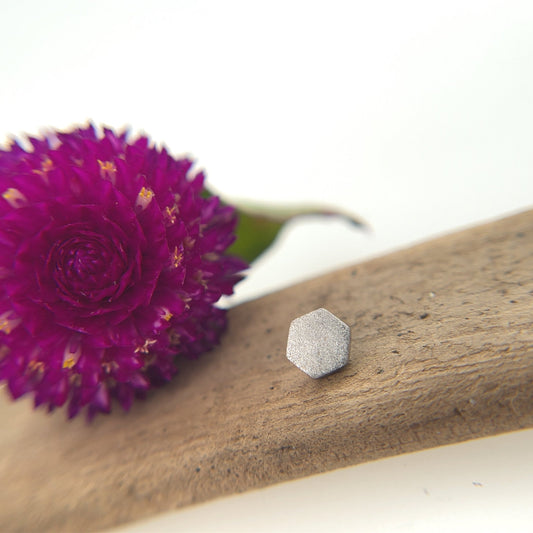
(318, 343)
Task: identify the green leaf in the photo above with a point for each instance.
(260, 224)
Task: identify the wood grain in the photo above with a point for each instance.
(442, 351)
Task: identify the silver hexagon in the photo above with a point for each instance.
(319, 343)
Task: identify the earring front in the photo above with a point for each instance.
(318, 343)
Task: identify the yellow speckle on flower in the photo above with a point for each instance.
(107, 170)
(177, 257)
(144, 198)
(35, 366)
(69, 362)
(170, 214)
(46, 166)
(8, 323)
(167, 315)
(71, 354)
(14, 197)
(145, 348)
(146, 193)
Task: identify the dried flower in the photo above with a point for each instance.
(112, 258)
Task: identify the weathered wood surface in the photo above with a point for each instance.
(442, 351)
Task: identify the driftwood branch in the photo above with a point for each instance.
(442, 351)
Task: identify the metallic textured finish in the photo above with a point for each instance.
(319, 343)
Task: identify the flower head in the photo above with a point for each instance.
(111, 262)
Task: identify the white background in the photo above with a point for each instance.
(416, 116)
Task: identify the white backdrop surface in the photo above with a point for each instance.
(416, 116)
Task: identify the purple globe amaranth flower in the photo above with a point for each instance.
(112, 258)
